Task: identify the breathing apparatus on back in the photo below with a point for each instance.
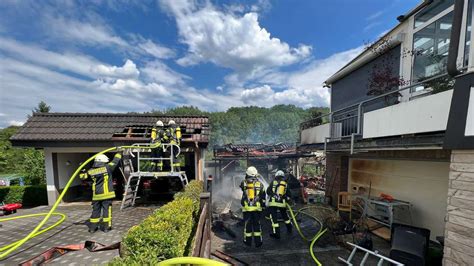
(279, 185)
(252, 186)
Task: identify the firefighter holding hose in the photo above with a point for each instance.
(253, 202)
(279, 195)
(102, 191)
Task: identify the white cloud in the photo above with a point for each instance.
(259, 95)
(128, 70)
(157, 71)
(233, 41)
(375, 15)
(84, 32)
(156, 50)
(303, 87)
(96, 33)
(76, 63)
(15, 123)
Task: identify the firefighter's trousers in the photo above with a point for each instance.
(252, 228)
(274, 219)
(157, 165)
(101, 214)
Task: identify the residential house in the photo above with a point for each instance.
(68, 139)
(388, 129)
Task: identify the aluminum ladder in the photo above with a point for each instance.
(130, 191)
(382, 258)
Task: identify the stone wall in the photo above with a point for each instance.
(459, 234)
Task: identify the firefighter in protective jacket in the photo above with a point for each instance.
(172, 135)
(253, 202)
(279, 195)
(157, 134)
(102, 191)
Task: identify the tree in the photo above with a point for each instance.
(42, 108)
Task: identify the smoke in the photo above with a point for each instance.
(226, 191)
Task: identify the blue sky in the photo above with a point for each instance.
(121, 56)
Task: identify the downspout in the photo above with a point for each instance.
(455, 38)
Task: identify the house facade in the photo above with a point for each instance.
(388, 129)
(68, 139)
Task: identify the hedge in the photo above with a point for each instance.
(167, 233)
(27, 195)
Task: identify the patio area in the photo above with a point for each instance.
(72, 231)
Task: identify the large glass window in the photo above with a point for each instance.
(468, 33)
(430, 48)
(432, 10)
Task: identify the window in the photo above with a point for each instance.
(467, 46)
(430, 46)
(432, 10)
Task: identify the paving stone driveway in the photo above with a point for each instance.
(71, 231)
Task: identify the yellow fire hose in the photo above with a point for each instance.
(13, 246)
(190, 261)
(313, 239)
(183, 260)
(63, 217)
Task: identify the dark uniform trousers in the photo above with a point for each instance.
(101, 208)
(252, 227)
(274, 219)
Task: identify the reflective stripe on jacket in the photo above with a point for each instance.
(102, 183)
(278, 193)
(253, 198)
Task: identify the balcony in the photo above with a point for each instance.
(371, 119)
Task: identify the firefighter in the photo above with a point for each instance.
(157, 134)
(278, 195)
(253, 202)
(172, 135)
(102, 191)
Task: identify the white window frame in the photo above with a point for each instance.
(415, 94)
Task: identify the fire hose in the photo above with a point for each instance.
(36, 231)
(313, 239)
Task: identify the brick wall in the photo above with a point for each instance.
(459, 234)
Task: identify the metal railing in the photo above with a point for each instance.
(143, 148)
(348, 121)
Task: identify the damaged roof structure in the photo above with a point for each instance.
(254, 151)
(98, 129)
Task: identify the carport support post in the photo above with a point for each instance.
(50, 186)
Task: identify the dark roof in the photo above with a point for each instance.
(103, 127)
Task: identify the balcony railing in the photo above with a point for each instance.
(348, 122)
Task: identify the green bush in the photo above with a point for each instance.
(26, 195)
(166, 233)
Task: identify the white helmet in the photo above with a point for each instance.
(159, 123)
(280, 173)
(171, 122)
(101, 158)
(252, 171)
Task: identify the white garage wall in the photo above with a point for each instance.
(423, 183)
(67, 164)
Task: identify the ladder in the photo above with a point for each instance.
(366, 256)
(130, 191)
(135, 176)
